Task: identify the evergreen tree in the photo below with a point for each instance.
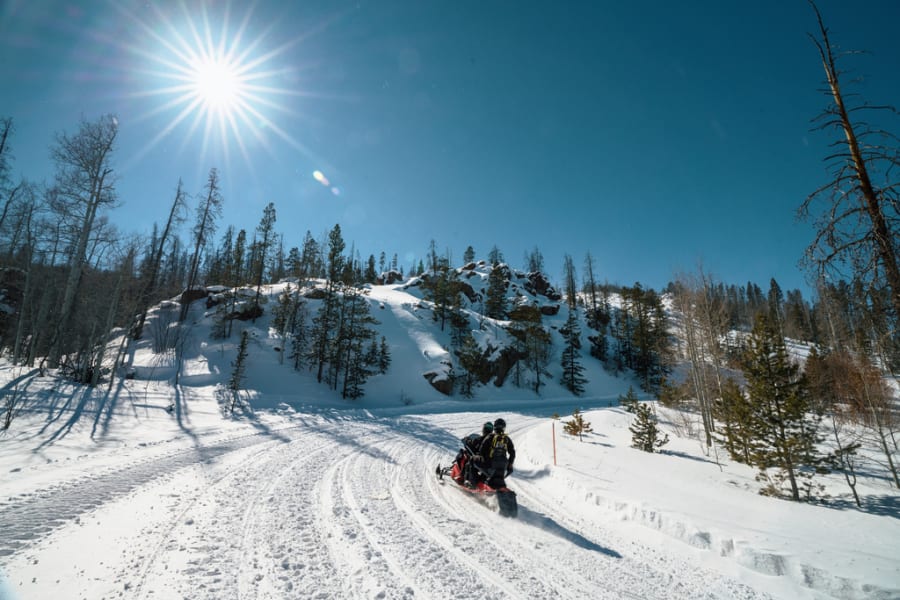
(384, 356)
(645, 432)
(469, 255)
(642, 339)
(572, 370)
(775, 303)
(472, 364)
(370, 274)
(327, 321)
(459, 322)
(495, 303)
(353, 337)
(495, 257)
(299, 334)
(265, 232)
(310, 259)
(282, 317)
(208, 211)
(577, 426)
(532, 344)
(734, 412)
(239, 366)
(783, 426)
(238, 273)
(292, 263)
(629, 401)
(571, 285)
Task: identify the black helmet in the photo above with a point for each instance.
(499, 425)
(487, 428)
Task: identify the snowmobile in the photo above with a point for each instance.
(492, 486)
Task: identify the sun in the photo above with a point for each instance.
(209, 75)
(218, 84)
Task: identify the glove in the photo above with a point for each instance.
(509, 469)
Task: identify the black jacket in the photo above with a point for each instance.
(497, 451)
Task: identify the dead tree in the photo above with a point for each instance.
(857, 228)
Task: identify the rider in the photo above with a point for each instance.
(471, 446)
(496, 455)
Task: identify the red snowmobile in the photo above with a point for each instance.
(488, 485)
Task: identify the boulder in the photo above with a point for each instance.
(504, 364)
(440, 382)
(538, 285)
(188, 296)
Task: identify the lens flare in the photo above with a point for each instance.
(320, 177)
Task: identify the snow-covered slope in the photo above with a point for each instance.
(152, 491)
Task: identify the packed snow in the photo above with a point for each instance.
(154, 491)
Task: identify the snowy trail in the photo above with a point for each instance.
(327, 509)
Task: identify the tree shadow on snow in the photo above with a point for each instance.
(884, 505)
(547, 524)
(701, 459)
(84, 397)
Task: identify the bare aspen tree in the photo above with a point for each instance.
(704, 323)
(126, 269)
(85, 182)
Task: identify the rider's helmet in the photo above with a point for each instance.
(487, 428)
(500, 425)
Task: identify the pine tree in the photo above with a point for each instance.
(469, 255)
(495, 305)
(571, 285)
(299, 337)
(472, 364)
(384, 356)
(352, 339)
(577, 426)
(459, 323)
(370, 274)
(572, 370)
(266, 232)
(281, 319)
(239, 366)
(733, 411)
(629, 401)
(326, 323)
(645, 433)
(784, 428)
(208, 211)
(532, 344)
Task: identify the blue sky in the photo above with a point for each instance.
(655, 135)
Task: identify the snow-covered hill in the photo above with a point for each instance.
(154, 491)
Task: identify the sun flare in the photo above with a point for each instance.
(214, 79)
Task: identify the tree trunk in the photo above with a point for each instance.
(869, 197)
